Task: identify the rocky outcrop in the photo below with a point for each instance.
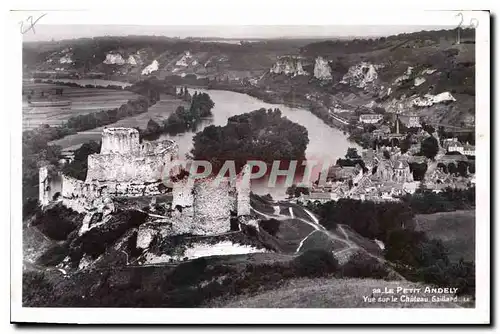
(185, 60)
(114, 59)
(418, 81)
(66, 59)
(131, 60)
(322, 70)
(289, 65)
(404, 77)
(361, 75)
(153, 67)
(429, 100)
(428, 71)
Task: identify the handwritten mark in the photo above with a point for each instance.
(473, 23)
(31, 24)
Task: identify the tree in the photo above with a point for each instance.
(429, 147)
(352, 153)
(295, 191)
(418, 170)
(429, 128)
(387, 155)
(405, 144)
(462, 168)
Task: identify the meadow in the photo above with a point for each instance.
(83, 101)
(455, 229)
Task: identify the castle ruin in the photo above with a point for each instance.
(127, 168)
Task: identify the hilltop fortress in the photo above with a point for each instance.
(126, 168)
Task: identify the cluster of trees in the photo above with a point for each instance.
(425, 201)
(370, 219)
(418, 170)
(463, 137)
(259, 135)
(415, 255)
(419, 258)
(295, 191)
(461, 168)
(79, 166)
(78, 85)
(104, 117)
(429, 147)
(182, 119)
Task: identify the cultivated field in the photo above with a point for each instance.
(160, 111)
(456, 230)
(83, 101)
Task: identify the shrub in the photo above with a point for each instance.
(315, 263)
(364, 266)
(30, 207)
(189, 272)
(57, 222)
(53, 256)
(271, 226)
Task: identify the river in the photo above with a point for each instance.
(325, 143)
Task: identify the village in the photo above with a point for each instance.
(405, 156)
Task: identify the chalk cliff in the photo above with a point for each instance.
(289, 65)
(151, 68)
(114, 59)
(322, 70)
(361, 75)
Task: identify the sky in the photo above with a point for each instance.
(46, 32)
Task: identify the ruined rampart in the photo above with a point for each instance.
(132, 162)
(81, 196)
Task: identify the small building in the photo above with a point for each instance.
(456, 147)
(469, 150)
(447, 142)
(346, 173)
(370, 118)
(410, 121)
(318, 197)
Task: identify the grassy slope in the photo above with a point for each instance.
(456, 230)
(327, 293)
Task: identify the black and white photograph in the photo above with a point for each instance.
(175, 167)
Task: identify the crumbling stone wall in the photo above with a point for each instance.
(82, 196)
(128, 167)
(49, 185)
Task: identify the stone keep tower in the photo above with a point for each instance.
(119, 140)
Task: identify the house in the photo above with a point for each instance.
(456, 147)
(318, 197)
(346, 173)
(410, 121)
(448, 142)
(469, 150)
(370, 118)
